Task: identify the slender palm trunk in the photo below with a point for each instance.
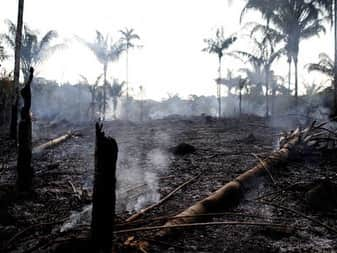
(115, 106)
(219, 89)
(289, 74)
(14, 116)
(296, 81)
(273, 93)
(240, 101)
(335, 66)
(127, 81)
(105, 68)
(267, 91)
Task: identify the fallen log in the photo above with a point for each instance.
(292, 144)
(52, 143)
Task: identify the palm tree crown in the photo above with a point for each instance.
(34, 50)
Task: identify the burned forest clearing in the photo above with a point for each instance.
(284, 211)
(168, 126)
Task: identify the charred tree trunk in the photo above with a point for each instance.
(24, 168)
(104, 196)
(14, 115)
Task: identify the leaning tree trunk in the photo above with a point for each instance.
(14, 116)
(24, 168)
(104, 196)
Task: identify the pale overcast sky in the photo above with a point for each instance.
(171, 31)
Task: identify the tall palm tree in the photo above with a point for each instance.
(127, 39)
(34, 50)
(262, 58)
(217, 46)
(105, 51)
(17, 46)
(298, 20)
(116, 91)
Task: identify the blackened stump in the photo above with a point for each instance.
(104, 196)
(24, 168)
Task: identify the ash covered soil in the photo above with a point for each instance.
(148, 170)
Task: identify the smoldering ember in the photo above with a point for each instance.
(168, 126)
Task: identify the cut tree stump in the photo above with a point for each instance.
(104, 193)
(24, 169)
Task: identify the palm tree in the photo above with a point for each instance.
(128, 36)
(34, 51)
(295, 20)
(105, 51)
(262, 60)
(331, 7)
(217, 46)
(93, 91)
(116, 91)
(325, 66)
(298, 20)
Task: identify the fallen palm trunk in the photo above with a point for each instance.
(52, 143)
(292, 144)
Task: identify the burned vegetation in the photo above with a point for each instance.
(95, 166)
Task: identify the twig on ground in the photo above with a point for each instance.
(141, 212)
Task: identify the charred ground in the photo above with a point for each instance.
(224, 149)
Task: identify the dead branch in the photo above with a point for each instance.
(201, 224)
(141, 212)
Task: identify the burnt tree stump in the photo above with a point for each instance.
(104, 196)
(24, 168)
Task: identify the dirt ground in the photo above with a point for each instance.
(148, 171)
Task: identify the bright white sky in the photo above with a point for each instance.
(171, 31)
